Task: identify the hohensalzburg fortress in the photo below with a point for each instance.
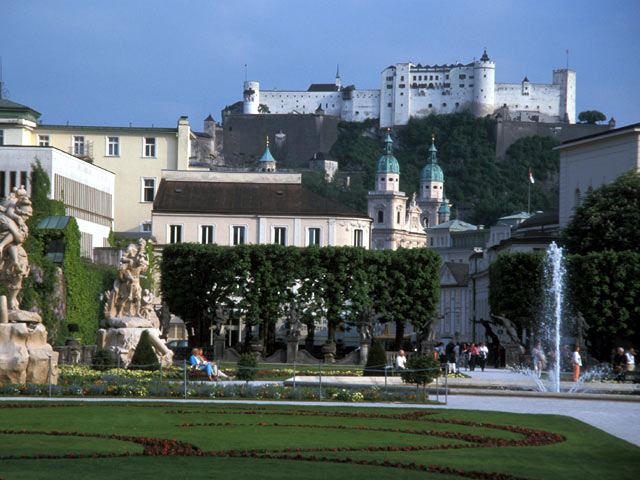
(409, 90)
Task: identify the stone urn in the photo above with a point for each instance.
(329, 352)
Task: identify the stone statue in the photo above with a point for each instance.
(25, 355)
(125, 299)
(164, 316)
(582, 327)
(146, 307)
(294, 325)
(127, 314)
(508, 326)
(427, 331)
(15, 210)
(365, 324)
(221, 320)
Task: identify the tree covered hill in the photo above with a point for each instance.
(480, 188)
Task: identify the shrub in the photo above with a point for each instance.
(421, 370)
(103, 360)
(376, 361)
(247, 367)
(144, 357)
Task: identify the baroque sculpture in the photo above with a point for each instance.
(25, 355)
(128, 310)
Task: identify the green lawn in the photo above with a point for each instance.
(264, 441)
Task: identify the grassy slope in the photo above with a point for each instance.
(587, 453)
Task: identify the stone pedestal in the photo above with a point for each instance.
(329, 352)
(218, 347)
(256, 350)
(364, 352)
(25, 355)
(512, 355)
(427, 347)
(292, 350)
(123, 335)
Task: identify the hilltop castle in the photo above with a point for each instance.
(409, 90)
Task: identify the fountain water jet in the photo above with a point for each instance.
(554, 273)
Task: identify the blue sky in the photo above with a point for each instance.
(148, 62)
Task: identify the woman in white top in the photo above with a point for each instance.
(576, 362)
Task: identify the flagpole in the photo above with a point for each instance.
(529, 196)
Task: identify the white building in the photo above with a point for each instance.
(595, 160)
(86, 190)
(408, 90)
(232, 208)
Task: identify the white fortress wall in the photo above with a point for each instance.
(301, 101)
(543, 98)
(364, 104)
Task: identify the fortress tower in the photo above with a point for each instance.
(484, 72)
(251, 98)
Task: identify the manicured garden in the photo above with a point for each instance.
(54, 440)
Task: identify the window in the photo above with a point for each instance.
(145, 227)
(13, 180)
(238, 235)
(113, 146)
(389, 104)
(402, 78)
(1, 137)
(148, 189)
(313, 236)
(462, 77)
(23, 179)
(398, 218)
(175, 233)
(3, 178)
(358, 236)
(402, 85)
(207, 234)
(280, 235)
(380, 216)
(43, 140)
(149, 146)
(78, 145)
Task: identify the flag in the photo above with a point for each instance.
(531, 177)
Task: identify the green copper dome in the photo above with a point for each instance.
(266, 156)
(432, 171)
(444, 208)
(387, 162)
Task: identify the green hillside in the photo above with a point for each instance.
(480, 188)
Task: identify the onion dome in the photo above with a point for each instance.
(432, 171)
(387, 162)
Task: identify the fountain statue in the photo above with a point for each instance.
(128, 310)
(25, 355)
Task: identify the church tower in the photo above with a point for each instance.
(386, 203)
(267, 163)
(431, 189)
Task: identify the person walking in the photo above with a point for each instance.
(631, 359)
(473, 357)
(483, 354)
(576, 363)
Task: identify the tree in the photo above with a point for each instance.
(376, 360)
(421, 370)
(605, 287)
(263, 108)
(608, 218)
(144, 358)
(515, 287)
(591, 117)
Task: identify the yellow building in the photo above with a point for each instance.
(137, 156)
